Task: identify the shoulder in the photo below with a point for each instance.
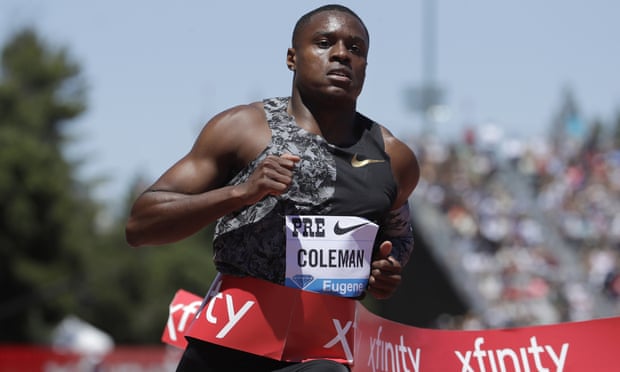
(235, 121)
(238, 116)
(240, 131)
(404, 165)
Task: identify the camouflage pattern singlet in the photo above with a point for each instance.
(329, 180)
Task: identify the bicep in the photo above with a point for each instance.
(404, 167)
(193, 174)
(226, 142)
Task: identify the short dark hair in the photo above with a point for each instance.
(304, 19)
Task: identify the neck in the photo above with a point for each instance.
(331, 119)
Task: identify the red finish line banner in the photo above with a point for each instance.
(296, 325)
(30, 358)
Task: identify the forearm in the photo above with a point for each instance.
(397, 228)
(162, 217)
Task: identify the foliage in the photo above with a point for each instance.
(44, 212)
(54, 261)
(129, 289)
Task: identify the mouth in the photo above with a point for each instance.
(340, 74)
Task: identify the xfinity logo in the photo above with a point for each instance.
(233, 315)
(341, 337)
(525, 359)
(387, 356)
(188, 312)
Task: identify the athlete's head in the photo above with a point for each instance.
(305, 19)
(329, 54)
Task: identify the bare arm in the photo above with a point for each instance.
(394, 252)
(404, 167)
(191, 194)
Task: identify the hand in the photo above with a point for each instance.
(384, 273)
(271, 177)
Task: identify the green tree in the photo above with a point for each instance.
(54, 261)
(46, 217)
(129, 289)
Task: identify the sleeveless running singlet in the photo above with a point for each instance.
(329, 180)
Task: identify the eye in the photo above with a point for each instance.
(323, 43)
(357, 46)
(355, 49)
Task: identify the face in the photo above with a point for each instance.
(329, 56)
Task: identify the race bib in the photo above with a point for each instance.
(329, 254)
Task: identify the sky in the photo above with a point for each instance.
(157, 71)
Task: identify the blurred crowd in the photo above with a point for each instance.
(535, 226)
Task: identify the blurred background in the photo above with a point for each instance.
(513, 110)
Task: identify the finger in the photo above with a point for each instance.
(380, 291)
(290, 157)
(382, 286)
(389, 266)
(283, 164)
(278, 173)
(286, 160)
(277, 168)
(383, 279)
(385, 248)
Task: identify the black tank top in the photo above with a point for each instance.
(329, 180)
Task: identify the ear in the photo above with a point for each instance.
(290, 59)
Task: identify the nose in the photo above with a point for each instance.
(340, 52)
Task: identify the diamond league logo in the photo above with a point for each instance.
(302, 280)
